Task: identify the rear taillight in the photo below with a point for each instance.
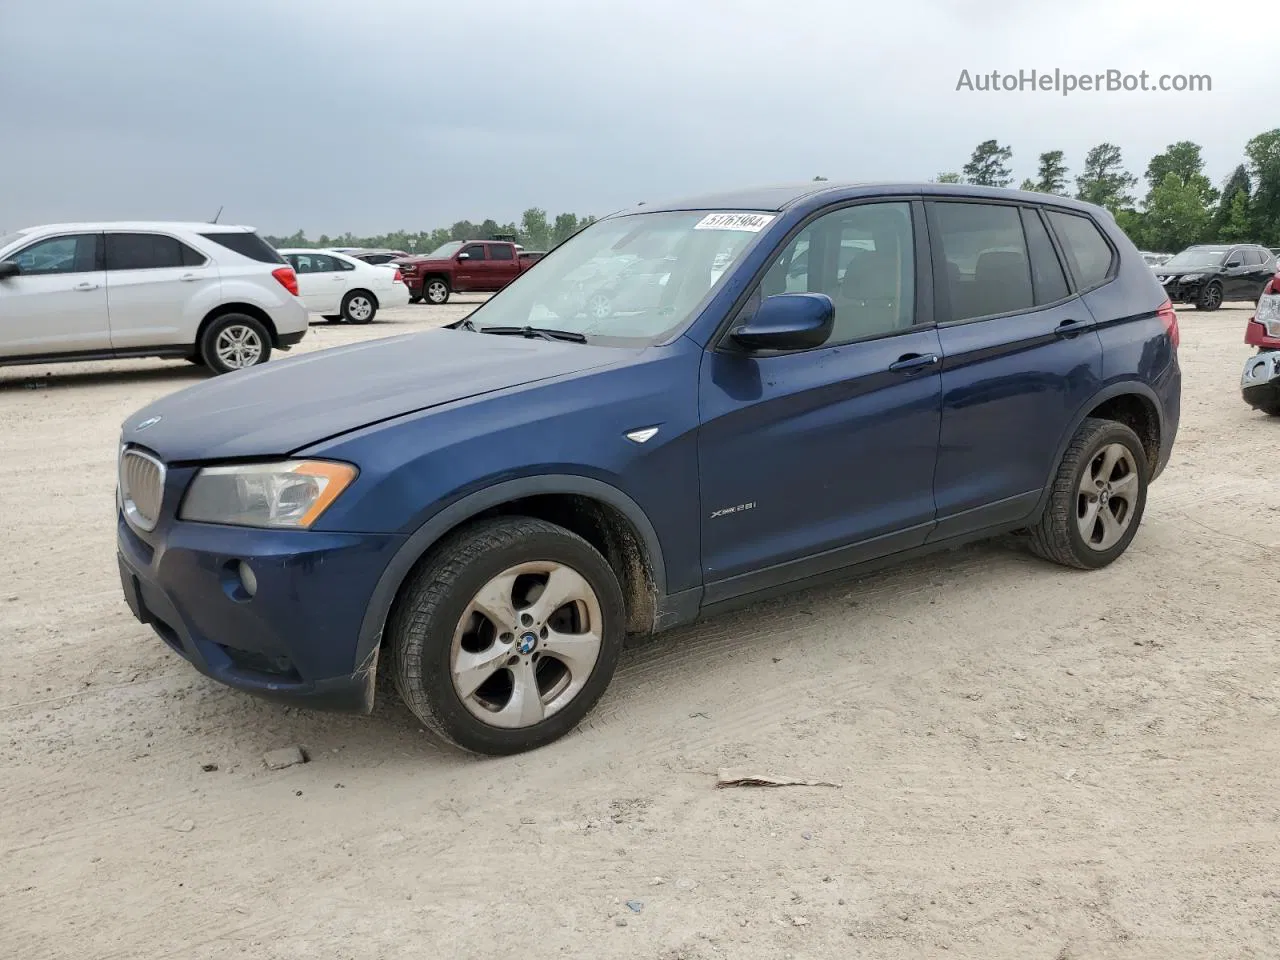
(288, 279)
(1169, 317)
(398, 278)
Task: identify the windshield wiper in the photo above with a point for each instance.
(546, 333)
(463, 324)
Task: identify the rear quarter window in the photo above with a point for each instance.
(1088, 253)
(247, 245)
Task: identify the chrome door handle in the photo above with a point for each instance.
(1070, 328)
(86, 286)
(188, 277)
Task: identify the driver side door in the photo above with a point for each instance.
(816, 459)
(57, 304)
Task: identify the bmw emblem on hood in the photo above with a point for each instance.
(149, 422)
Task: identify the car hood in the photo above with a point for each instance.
(285, 405)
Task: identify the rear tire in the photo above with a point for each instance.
(332, 318)
(471, 617)
(1098, 497)
(359, 306)
(415, 298)
(234, 341)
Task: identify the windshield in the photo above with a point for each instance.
(1206, 258)
(446, 251)
(11, 238)
(626, 280)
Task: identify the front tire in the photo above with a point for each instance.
(505, 638)
(1098, 498)
(234, 341)
(436, 291)
(358, 306)
(1210, 297)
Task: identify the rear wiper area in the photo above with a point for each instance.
(546, 333)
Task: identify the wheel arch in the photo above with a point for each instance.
(597, 511)
(1129, 402)
(222, 309)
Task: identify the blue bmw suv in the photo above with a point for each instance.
(800, 382)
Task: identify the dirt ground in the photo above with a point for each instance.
(1035, 763)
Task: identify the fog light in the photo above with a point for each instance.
(248, 579)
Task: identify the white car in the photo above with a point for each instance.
(214, 294)
(340, 287)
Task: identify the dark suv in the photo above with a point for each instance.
(830, 377)
(1208, 274)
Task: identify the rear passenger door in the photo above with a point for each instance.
(502, 265)
(152, 281)
(1020, 356)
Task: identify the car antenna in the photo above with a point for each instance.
(217, 215)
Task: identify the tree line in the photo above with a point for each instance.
(1180, 206)
(533, 232)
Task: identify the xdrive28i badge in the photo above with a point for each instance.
(149, 422)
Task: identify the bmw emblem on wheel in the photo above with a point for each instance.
(526, 643)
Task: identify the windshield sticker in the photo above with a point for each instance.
(750, 222)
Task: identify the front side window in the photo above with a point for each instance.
(72, 254)
(145, 251)
(312, 263)
(1088, 253)
(863, 258)
(627, 280)
(475, 251)
(984, 251)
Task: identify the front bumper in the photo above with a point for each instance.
(295, 639)
(1260, 380)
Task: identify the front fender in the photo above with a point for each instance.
(458, 512)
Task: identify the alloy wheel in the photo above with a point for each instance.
(238, 346)
(437, 292)
(526, 644)
(1107, 496)
(359, 309)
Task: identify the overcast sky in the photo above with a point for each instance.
(335, 115)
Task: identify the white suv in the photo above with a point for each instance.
(213, 294)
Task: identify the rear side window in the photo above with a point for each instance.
(247, 245)
(1253, 257)
(1047, 278)
(500, 251)
(340, 264)
(1088, 253)
(988, 269)
(148, 251)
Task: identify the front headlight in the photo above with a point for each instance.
(1191, 277)
(1268, 313)
(292, 493)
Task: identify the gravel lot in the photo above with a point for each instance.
(1036, 763)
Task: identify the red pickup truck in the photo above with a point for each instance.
(464, 266)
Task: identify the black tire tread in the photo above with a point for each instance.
(1051, 537)
(428, 589)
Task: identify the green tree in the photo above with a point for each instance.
(1238, 226)
(566, 226)
(1184, 161)
(948, 178)
(1175, 215)
(1051, 176)
(1237, 183)
(1104, 180)
(989, 165)
(1263, 152)
(534, 231)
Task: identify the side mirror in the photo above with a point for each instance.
(1234, 263)
(464, 256)
(9, 269)
(788, 321)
